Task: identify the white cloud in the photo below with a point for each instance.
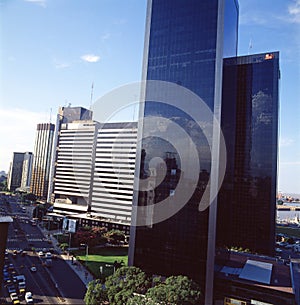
(284, 142)
(58, 64)
(105, 36)
(38, 2)
(17, 132)
(90, 58)
(294, 11)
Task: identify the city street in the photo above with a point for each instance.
(49, 285)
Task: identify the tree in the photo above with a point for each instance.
(96, 294)
(64, 246)
(176, 290)
(115, 236)
(124, 282)
(142, 300)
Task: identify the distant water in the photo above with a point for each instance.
(285, 215)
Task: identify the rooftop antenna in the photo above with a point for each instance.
(50, 115)
(92, 91)
(250, 46)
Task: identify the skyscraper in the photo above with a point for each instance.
(20, 171)
(246, 205)
(185, 43)
(26, 171)
(42, 158)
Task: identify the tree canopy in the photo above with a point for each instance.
(124, 282)
(96, 294)
(176, 290)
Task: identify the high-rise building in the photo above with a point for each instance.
(192, 44)
(74, 167)
(185, 43)
(95, 170)
(41, 161)
(65, 115)
(26, 171)
(247, 200)
(112, 187)
(20, 171)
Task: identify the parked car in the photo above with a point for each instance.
(14, 296)
(11, 289)
(28, 297)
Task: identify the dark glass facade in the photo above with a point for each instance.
(247, 200)
(184, 45)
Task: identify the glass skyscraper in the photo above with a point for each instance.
(192, 44)
(246, 205)
(185, 43)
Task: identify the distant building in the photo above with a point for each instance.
(20, 171)
(26, 171)
(42, 160)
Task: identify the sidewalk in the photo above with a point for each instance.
(75, 265)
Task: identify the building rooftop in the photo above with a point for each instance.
(4, 219)
(256, 270)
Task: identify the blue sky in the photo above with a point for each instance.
(53, 50)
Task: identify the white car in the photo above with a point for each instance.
(40, 253)
(33, 269)
(14, 296)
(28, 297)
(48, 255)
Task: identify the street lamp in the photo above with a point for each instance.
(86, 252)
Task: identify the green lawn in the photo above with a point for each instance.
(292, 232)
(102, 257)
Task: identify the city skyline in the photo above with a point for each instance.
(50, 58)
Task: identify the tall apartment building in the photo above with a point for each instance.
(42, 160)
(19, 174)
(185, 44)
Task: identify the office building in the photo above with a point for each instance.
(114, 172)
(74, 167)
(247, 200)
(65, 115)
(192, 44)
(42, 158)
(185, 43)
(20, 171)
(26, 171)
(94, 172)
